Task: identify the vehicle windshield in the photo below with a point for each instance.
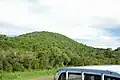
(60, 75)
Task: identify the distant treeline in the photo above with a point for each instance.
(46, 50)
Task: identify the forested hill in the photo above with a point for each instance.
(38, 50)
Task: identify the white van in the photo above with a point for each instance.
(94, 72)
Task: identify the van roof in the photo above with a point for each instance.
(106, 69)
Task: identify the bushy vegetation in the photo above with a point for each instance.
(47, 50)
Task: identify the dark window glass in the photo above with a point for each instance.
(92, 77)
(111, 78)
(74, 76)
(78, 76)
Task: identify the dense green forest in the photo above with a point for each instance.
(46, 50)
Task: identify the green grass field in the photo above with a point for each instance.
(28, 75)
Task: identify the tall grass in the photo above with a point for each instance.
(26, 75)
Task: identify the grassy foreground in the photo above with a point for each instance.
(28, 75)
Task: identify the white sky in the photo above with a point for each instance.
(77, 19)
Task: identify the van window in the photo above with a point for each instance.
(78, 76)
(111, 78)
(74, 76)
(92, 77)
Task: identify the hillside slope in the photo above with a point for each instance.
(38, 50)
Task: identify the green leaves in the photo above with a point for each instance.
(46, 50)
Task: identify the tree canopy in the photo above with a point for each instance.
(46, 50)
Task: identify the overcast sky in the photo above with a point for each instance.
(92, 22)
